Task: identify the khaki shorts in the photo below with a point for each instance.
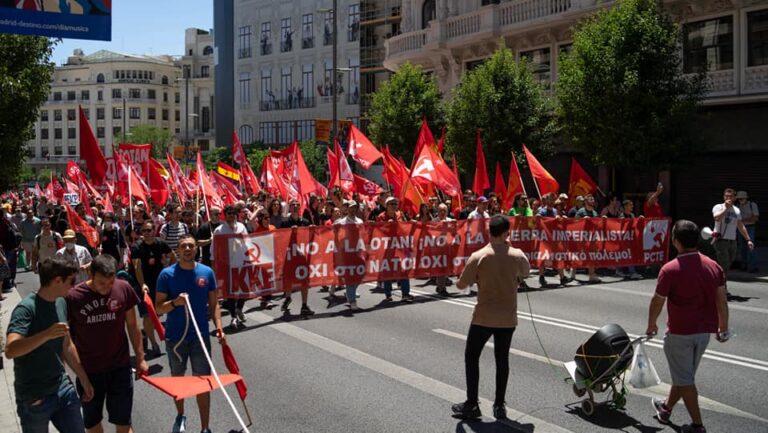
(684, 354)
(726, 253)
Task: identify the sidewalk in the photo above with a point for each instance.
(9, 422)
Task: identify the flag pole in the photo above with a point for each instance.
(522, 184)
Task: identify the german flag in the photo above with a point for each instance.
(228, 172)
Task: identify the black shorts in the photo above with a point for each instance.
(116, 387)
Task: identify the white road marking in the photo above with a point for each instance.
(659, 391)
(408, 377)
(728, 358)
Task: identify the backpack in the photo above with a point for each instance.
(57, 237)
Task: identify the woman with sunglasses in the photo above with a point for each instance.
(520, 206)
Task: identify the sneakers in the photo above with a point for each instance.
(466, 410)
(306, 311)
(387, 299)
(353, 306)
(635, 276)
(542, 280)
(500, 410)
(662, 413)
(564, 281)
(621, 274)
(180, 425)
(234, 324)
(690, 428)
(407, 298)
(240, 316)
(286, 304)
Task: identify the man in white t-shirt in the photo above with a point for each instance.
(727, 220)
(350, 218)
(481, 211)
(231, 226)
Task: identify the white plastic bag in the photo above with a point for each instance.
(643, 374)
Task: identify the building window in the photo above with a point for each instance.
(100, 113)
(165, 96)
(208, 50)
(307, 84)
(177, 115)
(99, 132)
(205, 71)
(540, 63)
(56, 150)
(71, 115)
(328, 28)
(85, 95)
(205, 119)
(71, 95)
(244, 41)
(286, 35)
(757, 38)
(267, 97)
(708, 45)
(151, 114)
(489, 2)
(165, 80)
(353, 22)
(100, 95)
(307, 32)
(134, 93)
(328, 79)
(353, 87)
(44, 116)
(265, 40)
(57, 115)
(134, 113)
(245, 89)
(246, 134)
(44, 134)
(151, 94)
(71, 150)
(164, 113)
(100, 78)
(286, 83)
(428, 13)
(71, 133)
(177, 97)
(117, 113)
(117, 94)
(57, 133)
(57, 96)
(116, 131)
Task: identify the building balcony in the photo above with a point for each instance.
(288, 104)
(486, 23)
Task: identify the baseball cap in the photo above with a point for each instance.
(482, 199)
(390, 200)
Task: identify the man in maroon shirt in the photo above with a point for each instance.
(100, 310)
(694, 285)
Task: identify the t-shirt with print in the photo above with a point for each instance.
(690, 283)
(40, 372)
(728, 224)
(111, 243)
(47, 245)
(97, 325)
(151, 258)
(197, 283)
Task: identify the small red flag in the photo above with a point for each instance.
(498, 185)
(91, 152)
(361, 149)
(481, 182)
(580, 183)
(545, 182)
(231, 363)
(79, 225)
(514, 185)
(153, 316)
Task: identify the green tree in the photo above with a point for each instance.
(502, 99)
(25, 81)
(159, 138)
(399, 107)
(218, 153)
(26, 174)
(623, 98)
(44, 176)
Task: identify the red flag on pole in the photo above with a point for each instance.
(208, 191)
(580, 182)
(136, 187)
(514, 185)
(430, 166)
(498, 185)
(481, 182)
(231, 363)
(153, 316)
(441, 143)
(361, 149)
(398, 176)
(159, 186)
(79, 225)
(544, 181)
(58, 190)
(91, 152)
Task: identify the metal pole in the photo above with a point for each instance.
(186, 113)
(125, 114)
(334, 85)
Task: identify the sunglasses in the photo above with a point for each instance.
(146, 230)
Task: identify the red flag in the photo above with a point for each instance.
(38, 191)
(108, 204)
(136, 187)
(481, 182)
(273, 182)
(514, 185)
(366, 187)
(580, 183)
(430, 166)
(361, 149)
(58, 190)
(238, 155)
(457, 204)
(49, 193)
(208, 191)
(333, 168)
(71, 187)
(544, 181)
(221, 190)
(398, 176)
(159, 186)
(425, 138)
(345, 172)
(79, 225)
(441, 144)
(91, 152)
(307, 183)
(249, 179)
(153, 316)
(231, 363)
(498, 185)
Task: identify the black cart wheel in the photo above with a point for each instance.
(588, 407)
(579, 391)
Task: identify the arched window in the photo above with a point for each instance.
(100, 78)
(246, 134)
(208, 50)
(428, 13)
(165, 80)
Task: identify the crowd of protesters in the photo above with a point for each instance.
(154, 249)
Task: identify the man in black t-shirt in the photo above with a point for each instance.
(149, 256)
(294, 218)
(112, 240)
(204, 236)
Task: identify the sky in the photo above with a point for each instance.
(145, 27)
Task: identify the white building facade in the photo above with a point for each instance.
(283, 68)
(197, 105)
(117, 91)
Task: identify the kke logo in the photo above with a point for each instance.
(654, 234)
(201, 281)
(252, 264)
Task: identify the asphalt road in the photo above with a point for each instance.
(398, 367)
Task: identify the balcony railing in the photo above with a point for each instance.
(243, 53)
(266, 48)
(288, 104)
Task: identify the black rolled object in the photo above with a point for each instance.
(597, 356)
